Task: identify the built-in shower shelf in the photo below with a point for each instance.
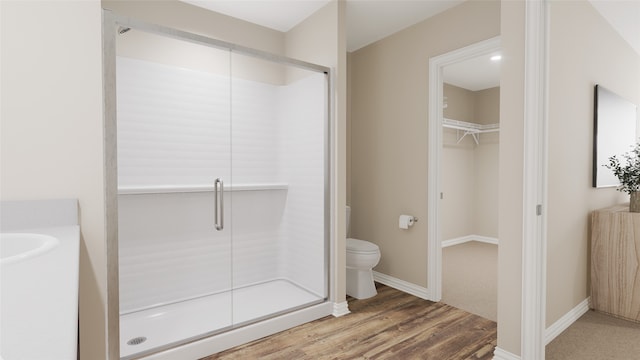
(167, 189)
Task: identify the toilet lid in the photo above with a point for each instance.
(361, 246)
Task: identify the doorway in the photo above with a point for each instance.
(469, 172)
(455, 221)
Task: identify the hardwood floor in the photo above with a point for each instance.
(391, 325)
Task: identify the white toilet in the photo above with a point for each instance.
(362, 256)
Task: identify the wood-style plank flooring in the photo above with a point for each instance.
(391, 325)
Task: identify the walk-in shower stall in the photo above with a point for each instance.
(222, 186)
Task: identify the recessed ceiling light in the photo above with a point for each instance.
(496, 57)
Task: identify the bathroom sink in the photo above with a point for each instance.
(16, 247)
(39, 268)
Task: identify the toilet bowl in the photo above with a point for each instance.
(362, 256)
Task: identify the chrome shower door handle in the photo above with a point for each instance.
(218, 199)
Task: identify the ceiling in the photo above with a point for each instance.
(367, 20)
(371, 20)
(624, 17)
(474, 74)
(281, 15)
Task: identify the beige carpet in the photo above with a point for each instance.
(469, 282)
(470, 277)
(596, 336)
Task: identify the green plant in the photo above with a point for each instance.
(627, 170)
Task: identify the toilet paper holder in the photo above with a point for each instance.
(406, 221)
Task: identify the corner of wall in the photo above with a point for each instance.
(510, 226)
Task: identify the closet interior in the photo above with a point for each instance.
(469, 204)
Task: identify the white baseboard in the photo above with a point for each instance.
(402, 285)
(566, 320)
(340, 309)
(552, 331)
(464, 239)
(500, 354)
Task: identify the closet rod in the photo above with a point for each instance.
(472, 129)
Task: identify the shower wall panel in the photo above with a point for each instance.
(168, 249)
(256, 215)
(173, 125)
(257, 236)
(254, 130)
(302, 111)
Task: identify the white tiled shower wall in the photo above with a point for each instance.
(176, 127)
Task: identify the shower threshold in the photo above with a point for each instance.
(147, 331)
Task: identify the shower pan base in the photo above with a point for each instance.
(163, 327)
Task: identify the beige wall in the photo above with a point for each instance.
(51, 132)
(458, 179)
(458, 166)
(584, 51)
(487, 111)
(349, 132)
(460, 103)
(481, 107)
(321, 39)
(389, 131)
(486, 189)
(510, 177)
(488, 106)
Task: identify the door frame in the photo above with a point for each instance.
(535, 181)
(434, 189)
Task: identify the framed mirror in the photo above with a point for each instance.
(614, 133)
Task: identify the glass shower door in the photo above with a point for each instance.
(174, 167)
(278, 192)
(222, 189)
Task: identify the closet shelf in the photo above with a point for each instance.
(469, 128)
(168, 189)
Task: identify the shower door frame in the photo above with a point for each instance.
(110, 22)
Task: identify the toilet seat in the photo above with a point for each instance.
(361, 246)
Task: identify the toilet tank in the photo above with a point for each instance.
(348, 216)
